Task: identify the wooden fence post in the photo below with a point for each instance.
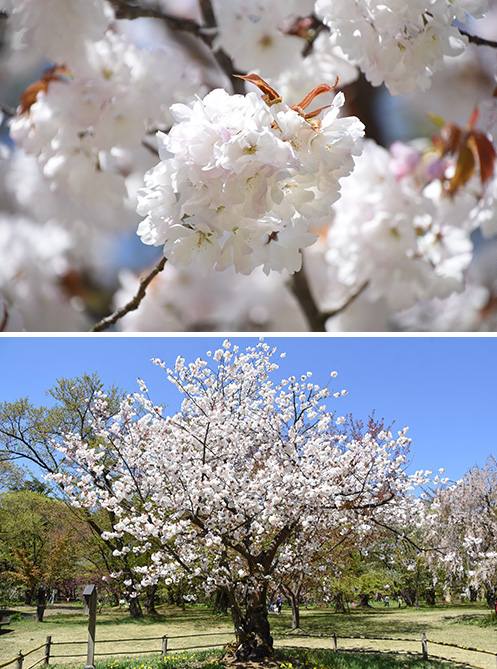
(164, 646)
(90, 595)
(47, 649)
(335, 645)
(20, 660)
(424, 646)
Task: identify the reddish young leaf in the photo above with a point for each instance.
(269, 93)
(486, 155)
(465, 168)
(28, 98)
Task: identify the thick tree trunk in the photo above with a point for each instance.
(135, 610)
(364, 601)
(149, 601)
(253, 635)
(491, 595)
(222, 603)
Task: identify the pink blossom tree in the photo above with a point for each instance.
(248, 476)
(463, 528)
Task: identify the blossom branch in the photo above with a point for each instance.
(208, 13)
(205, 33)
(317, 28)
(134, 303)
(299, 285)
(7, 110)
(479, 41)
(5, 319)
(124, 10)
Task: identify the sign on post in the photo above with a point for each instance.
(90, 595)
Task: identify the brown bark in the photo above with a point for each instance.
(253, 634)
(149, 601)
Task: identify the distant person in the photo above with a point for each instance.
(278, 605)
(387, 601)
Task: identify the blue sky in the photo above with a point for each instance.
(443, 388)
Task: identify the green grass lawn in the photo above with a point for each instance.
(466, 625)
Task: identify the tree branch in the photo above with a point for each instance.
(317, 28)
(132, 304)
(208, 13)
(124, 10)
(299, 285)
(7, 110)
(480, 41)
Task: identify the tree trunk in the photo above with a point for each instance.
(295, 612)
(149, 601)
(491, 595)
(135, 610)
(339, 603)
(222, 603)
(409, 597)
(41, 604)
(253, 635)
(430, 597)
(293, 597)
(364, 601)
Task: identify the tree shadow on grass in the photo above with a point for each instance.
(357, 623)
(359, 658)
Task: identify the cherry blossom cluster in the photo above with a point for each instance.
(86, 128)
(247, 184)
(400, 44)
(242, 179)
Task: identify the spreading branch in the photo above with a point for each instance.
(134, 303)
(299, 285)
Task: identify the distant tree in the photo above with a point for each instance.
(28, 434)
(36, 541)
(463, 529)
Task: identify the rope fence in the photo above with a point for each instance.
(424, 645)
(48, 646)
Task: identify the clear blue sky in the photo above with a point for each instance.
(443, 388)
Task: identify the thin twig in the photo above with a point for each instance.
(480, 41)
(7, 110)
(317, 28)
(134, 303)
(354, 296)
(316, 318)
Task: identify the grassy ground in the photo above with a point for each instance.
(464, 625)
